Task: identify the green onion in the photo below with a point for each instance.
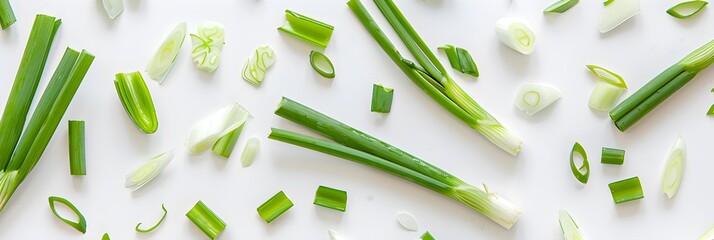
(206, 220)
(617, 12)
(431, 76)
(408, 221)
(249, 152)
(581, 173)
(274, 207)
(106, 236)
(460, 59)
(382, 98)
(568, 227)
(148, 171)
(607, 2)
(77, 157)
(331, 198)
(359, 147)
(687, 9)
(7, 16)
(561, 6)
(533, 97)
(612, 156)
(136, 99)
(626, 190)
(322, 64)
(80, 225)
(674, 168)
(210, 129)
(708, 235)
(207, 46)
(225, 145)
(155, 225)
(711, 110)
(334, 236)
(515, 34)
(608, 89)
(113, 7)
(635, 107)
(427, 236)
(257, 64)
(165, 56)
(306, 28)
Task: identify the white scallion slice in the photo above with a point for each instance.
(515, 34)
(249, 152)
(207, 46)
(206, 132)
(408, 221)
(608, 89)
(617, 12)
(257, 64)
(148, 171)
(674, 168)
(533, 97)
(165, 56)
(570, 229)
(334, 235)
(113, 7)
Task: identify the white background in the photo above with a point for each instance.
(538, 180)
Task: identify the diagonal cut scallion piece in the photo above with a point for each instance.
(136, 99)
(322, 64)
(612, 156)
(7, 16)
(77, 155)
(581, 173)
(568, 227)
(80, 224)
(206, 220)
(113, 7)
(307, 29)
(534, 97)
(561, 6)
(106, 236)
(617, 12)
(274, 207)
(165, 56)
(138, 229)
(249, 151)
(687, 9)
(460, 59)
(382, 98)
(331, 198)
(427, 236)
(225, 145)
(608, 88)
(674, 167)
(148, 171)
(515, 34)
(626, 190)
(210, 129)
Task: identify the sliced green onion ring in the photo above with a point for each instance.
(608, 88)
(307, 29)
(460, 59)
(249, 151)
(711, 110)
(257, 64)
(322, 64)
(136, 99)
(274, 207)
(534, 97)
(138, 229)
(687, 9)
(207, 46)
(427, 236)
(626, 190)
(708, 235)
(80, 225)
(561, 6)
(382, 98)
(165, 57)
(206, 220)
(674, 167)
(581, 173)
(7, 16)
(617, 12)
(515, 34)
(206, 132)
(331, 198)
(113, 7)
(105, 236)
(612, 156)
(77, 156)
(148, 171)
(568, 227)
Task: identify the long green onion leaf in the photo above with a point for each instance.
(568, 227)
(207, 46)
(561, 6)
(626, 190)
(534, 97)
(113, 7)
(612, 156)
(7, 16)
(608, 88)
(382, 98)
(206, 220)
(307, 29)
(80, 224)
(249, 151)
(322, 64)
(460, 59)
(138, 229)
(687, 9)
(331, 198)
(708, 235)
(148, 171)
(136, 99)
(581, 173)
(257, 64)
(77, 155)
(674, 167)
(427, 236)
(225, 145)
(617, 12)
(408, 221)
(165, 56)
(515, 34)
(206, 132)
(274, 207)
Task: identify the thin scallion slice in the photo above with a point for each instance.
(206, 220)
(534, 97)
(687, 9)
(581, 173)
(80, 224)
(427, 236)
(382, 98)
(711, 110)
(331, 198)
(568, 227)
(608, 88)
(165, 56)
(460, 59)
(148, 171)
(307, 29)
(206, 132)
(77, 157)
(322, 64)
(225, 145)
(408, 221)
(674, 167)
(136, 99)
(515, 34)
(7, 16)
(249, 151)
(612, 156)
(207, 46)
(626, 190)
(138, 229)
(106, 236)
(708, 235)
(257, 64)
(561, 6)
(617, 12)
(113, 7)
(274, 207)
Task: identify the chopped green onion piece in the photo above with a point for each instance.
(711, 110)
(607, 2)
(427, 236)
(206, 132)
(257, 64)
(331, 198)
(708, 235)
(639, 104)
(225, 145)
(80, 225)
(362, 148)
(533, 97)
(77, 157)
(674, 168)
(274, 207)
(515, 34)
(460, 59)
(382, 98)
(155, 225)
(165, 56)
(207, 46)
(626, 190)
(148, 171)
(206, 220)
(408, 221)
(561, 6)
(106, 236)
(113, 7)
(334, 236)
(687, 9)
(581, 173)
(7, 16)
(431, 77)
(617, 12)
(612, 156)
(568, 227)
(322, 64)
(604, 96)
(249, 152)
(136, 99)
(607, 76)
(306, 28)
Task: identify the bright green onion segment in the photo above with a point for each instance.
(674, 167)
(80, 224)
(354, 145)
(515, 34)
(561, 6)
(249, 151)
(581, 173)
(148, 171)
(331, 198)
(210, 129)
(7, 16)
(113, 7)
(225, 145)
(322, 64)
(687, 9)
(568, 227)
(106, 236)
(639, 104)
(608, 88)
(612, 156)
(206, 220)
(460, 59)
(274, 207)
(138, 229)
(207, 46)
(427, 236)
(430, 76)
(257, 64)
(165, 56)
(77, 155)
(382, 98)
(136, 99)
(708, 235)
(626, 190)
(617, 12)
(534, 97)
(711, 110)
(307, 29)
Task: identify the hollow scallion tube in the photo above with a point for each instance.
(225, 145)
(612, 156)
(626, 190)
(307, 29)
(206, 220)
(80, 224)
(382, 98)
(274, 207)
(687, 9)
(7, 16)
(137, 101)
(581, 173)
(331, 198)
(77, 155)
(322, 64)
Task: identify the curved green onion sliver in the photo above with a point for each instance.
(136, 99)
(561, 6)
(612, 156)
(427, 236)
(331, 198)
(80, 225)
(207, 46)
(113, 7)
(607, 2)
(568, 227)
(257, 64)
(274, 207)
(607, 76)
(674, 168)
(322, 64)
(106, 236)
(148, 171)
(626, 190)
(206, 220)
(583, 172)
(708, 235)
(164, 57)
(687, 9)
(461, 60)
(155, 225)
(711, 110)
(249, 152)
(515, 34)
(616, 13)
(210, 129)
